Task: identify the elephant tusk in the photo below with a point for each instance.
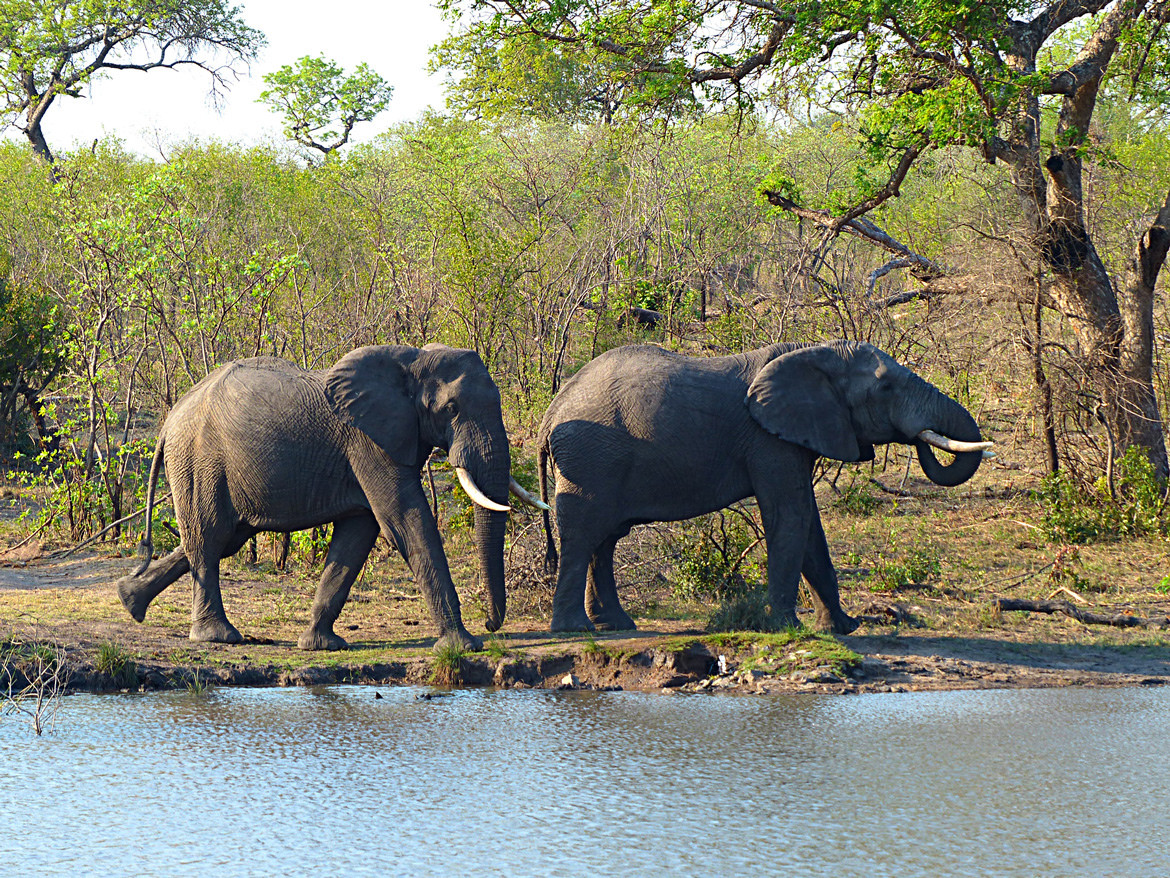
(516, 488)
(476, 494)
(954, 446)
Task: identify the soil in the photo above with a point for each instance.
(72, 601)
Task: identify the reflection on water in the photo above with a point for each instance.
(333, 782)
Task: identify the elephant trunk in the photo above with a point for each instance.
(949, 419)
(488, 463)
(489, 541)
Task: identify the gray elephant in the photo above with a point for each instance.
(263, 445)
(641, 434)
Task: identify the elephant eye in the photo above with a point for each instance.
(451, 408)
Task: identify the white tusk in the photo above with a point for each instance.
(476, 494)
(516, 488)
(952, 445)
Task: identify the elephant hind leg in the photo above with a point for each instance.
(136, 592)
(209, 622)
(353, 538)
(601, 598)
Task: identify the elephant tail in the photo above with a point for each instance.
(146, 547)
(551, 559)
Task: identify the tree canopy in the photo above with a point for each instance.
(1017, 81)
(48, 50)
(320, 104)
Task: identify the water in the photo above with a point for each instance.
(332, 782)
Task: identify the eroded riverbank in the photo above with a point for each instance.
(73, 603)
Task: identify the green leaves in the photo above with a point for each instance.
(53, 49)
(320, 104)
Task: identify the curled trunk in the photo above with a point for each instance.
(953, 421)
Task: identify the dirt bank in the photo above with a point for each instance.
(72, 602)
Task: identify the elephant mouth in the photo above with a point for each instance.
(478, 496)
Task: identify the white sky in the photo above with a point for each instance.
(392, 36)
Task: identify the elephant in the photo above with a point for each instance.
(641, 434)
(263, 445)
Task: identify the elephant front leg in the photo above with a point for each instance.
(403, 513)
(822, 578)
(787, 532)
(353, 538)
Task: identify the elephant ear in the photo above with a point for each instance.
(369, 388)
(795, 398)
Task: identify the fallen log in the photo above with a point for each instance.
(1117, 620)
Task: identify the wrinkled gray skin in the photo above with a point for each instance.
(262, 445)
(641, 435)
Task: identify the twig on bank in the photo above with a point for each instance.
(895, 491)
(29, 538)
(1118, 620)
(1068, 591)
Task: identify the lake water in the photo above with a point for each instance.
(332, 782)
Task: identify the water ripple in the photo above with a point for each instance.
(331, 781)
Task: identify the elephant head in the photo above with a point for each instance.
(409, 401)
(842, 398)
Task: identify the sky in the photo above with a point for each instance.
(168, 106)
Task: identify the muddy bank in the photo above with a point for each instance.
(689, 667)
(73, 603)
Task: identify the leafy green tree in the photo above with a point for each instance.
(53, 49)
(320, 104)
(31, 349)
(492, 76)
(1018, 82)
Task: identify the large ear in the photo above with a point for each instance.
(370, 389)
(794, 397)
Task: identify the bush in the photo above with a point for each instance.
(919, 565)
(1074, 513)
(716, 559)
(743, 612)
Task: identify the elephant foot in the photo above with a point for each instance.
(571, 622)
(215, 631)
(134, 597)
(619, 621)
(783, 620)
(462, 640)
(315, 639)
(840, 623)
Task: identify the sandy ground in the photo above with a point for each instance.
(72, 601)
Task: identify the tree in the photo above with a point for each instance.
(52, 49)
(1017, 81)
(320, 104)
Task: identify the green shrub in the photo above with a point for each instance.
(743, 612)
(1074, 513)
(856, 499)
(716, 559)
(890, 574)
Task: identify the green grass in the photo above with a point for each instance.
(198, 684)
(447, 665)
(113, 659)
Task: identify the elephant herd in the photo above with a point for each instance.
(637, 435)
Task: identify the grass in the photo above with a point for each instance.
(447, 665)
(113, 659)
(199, 684)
